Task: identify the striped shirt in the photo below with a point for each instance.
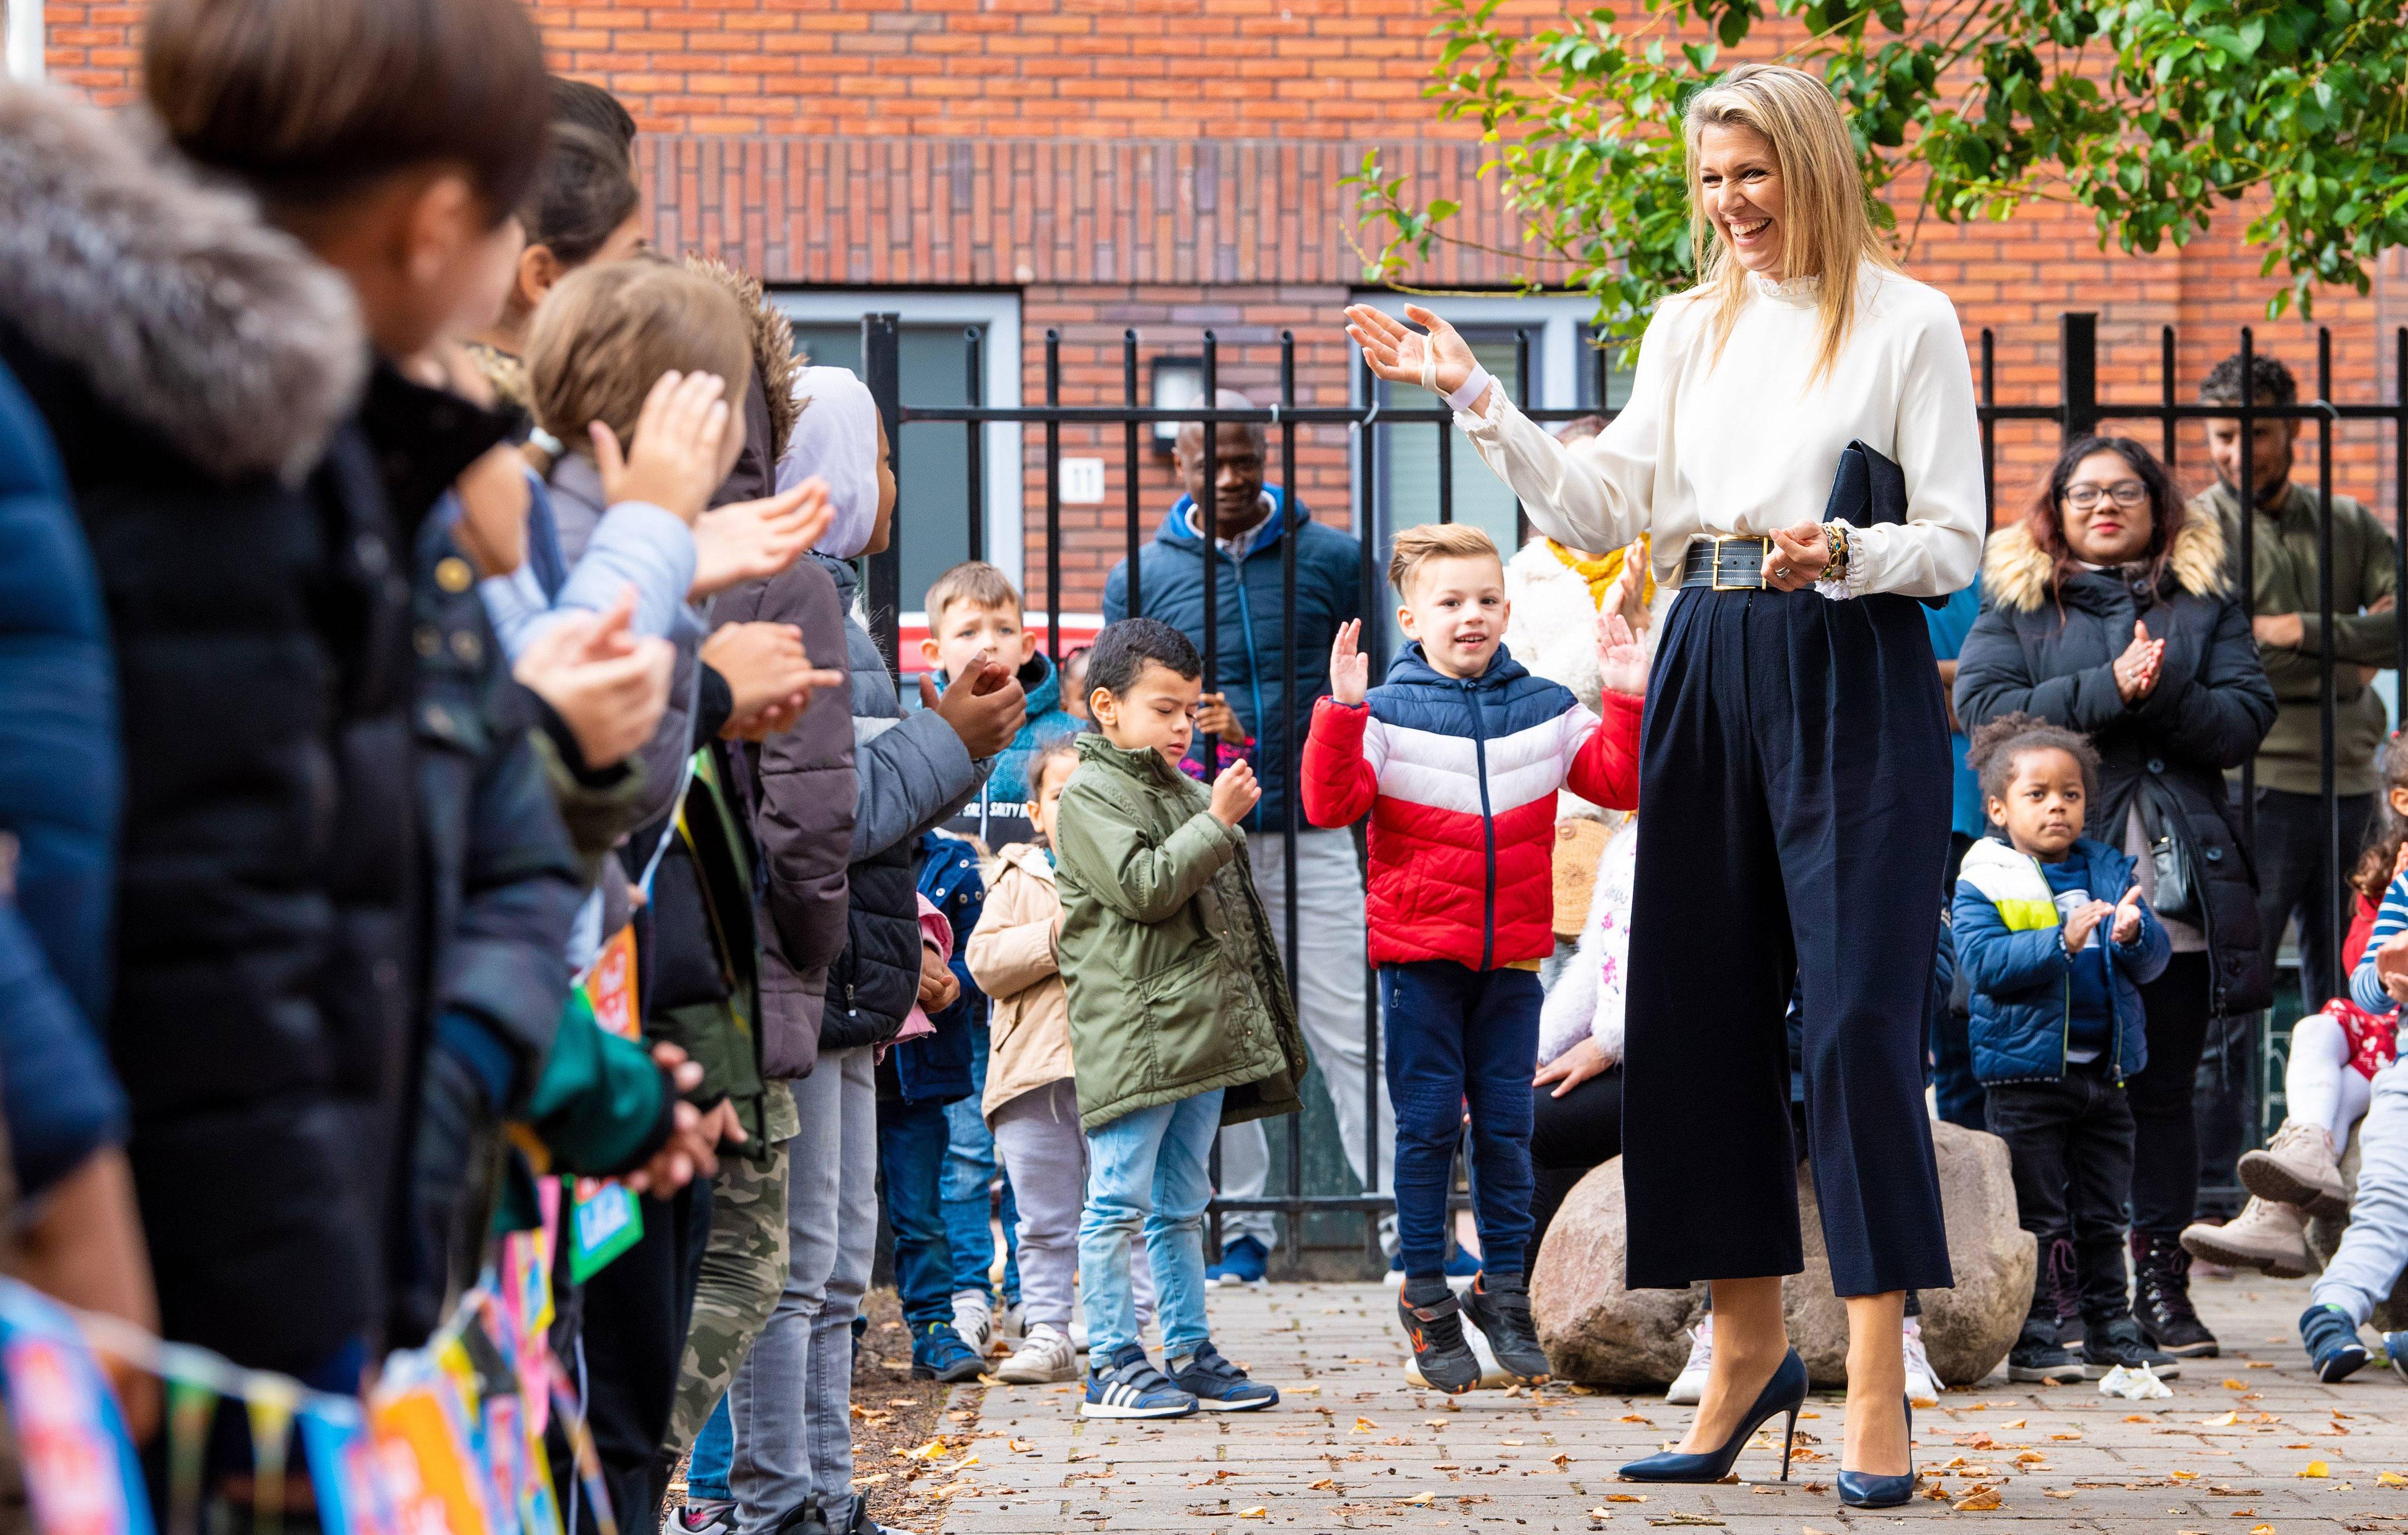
(2365, 987)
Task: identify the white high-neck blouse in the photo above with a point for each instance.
(1746, 444)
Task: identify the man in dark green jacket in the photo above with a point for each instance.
(1179, 1014)
(2294, 874)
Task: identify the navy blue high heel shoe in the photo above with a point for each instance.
(1784, 1393)
(1863, 1489)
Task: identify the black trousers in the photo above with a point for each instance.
(1569, 1137)
(632, 1317)
(2165, 1136)
(2070, 1144)
(1794, 770)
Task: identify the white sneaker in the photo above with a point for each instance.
(1044, 1357)
(1689, 1386)
(1922, 1382)
(1011, 1324)
(975, 1322)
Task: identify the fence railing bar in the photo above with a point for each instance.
(1054, 501)
(974, 440)
(2245, 495)
(1291, 745)
(2166, 390)
(2327, 699)
(1131, 532)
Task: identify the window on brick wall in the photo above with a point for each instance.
(932, 516)
(1563, 373)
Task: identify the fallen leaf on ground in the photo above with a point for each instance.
(1328, 1484)
(2226, 1421)
(1254, 1513)
(2065, 1436)
(1421, 1499)
(1633, 1417)
(2231, 1384)
(2138, 1417)
(1364, 1426)
(2182, 1476)
(1685, 1519)
(2263, 1529)
(870, 1480)
(1981, 1500)
(2262, 1364)
(2316, 1469)
(2053, 1493)
(1626, 1497)
(2392, 1479)
(930, 1451)
(2033, 1457)
(1560, 1458)
(1021, 1446)
(2016, 1424)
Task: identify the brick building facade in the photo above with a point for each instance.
(1170, 166)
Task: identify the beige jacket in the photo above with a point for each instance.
(1013, 958)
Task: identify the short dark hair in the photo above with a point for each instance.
(585, 192)
(311, 102)
(588, 106)
(1120, 653)
(1998, 746)
(2272, 383)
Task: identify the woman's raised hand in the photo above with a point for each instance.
(1439, 361)
(1349, 669)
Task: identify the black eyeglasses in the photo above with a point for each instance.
(2131, 494)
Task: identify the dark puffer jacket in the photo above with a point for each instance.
(1250, 664)
(909, 773)
(195, 366)
(2050, 651)
(58, 805)
(799, 790)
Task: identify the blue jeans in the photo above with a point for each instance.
(912, 1139)
(1453, 1034)
(969, 1173)
(1149, 1170)
(714, 1451)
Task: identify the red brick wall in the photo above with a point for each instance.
(1173, 164)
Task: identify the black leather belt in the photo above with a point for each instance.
(1725, 565)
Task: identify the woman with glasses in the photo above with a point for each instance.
(2111, 611)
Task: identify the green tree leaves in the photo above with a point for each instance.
(2156, 115)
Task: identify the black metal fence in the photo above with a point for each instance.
(2077, 410)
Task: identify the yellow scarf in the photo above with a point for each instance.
(1601, 571)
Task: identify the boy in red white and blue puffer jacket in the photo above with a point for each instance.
(1456, 758)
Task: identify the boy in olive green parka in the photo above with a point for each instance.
(1180, 1015)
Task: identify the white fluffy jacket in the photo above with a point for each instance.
(1553, 628)
(1588, 997)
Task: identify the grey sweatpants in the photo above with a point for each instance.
(1037, 1138)
(791, 1402)
(2375, 1247)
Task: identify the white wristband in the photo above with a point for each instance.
(1473, 387)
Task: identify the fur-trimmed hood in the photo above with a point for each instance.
(2015, 569)
(178, 307)
(773, 347)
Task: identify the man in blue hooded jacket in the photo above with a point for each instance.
(1271, 704)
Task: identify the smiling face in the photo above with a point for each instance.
(1739, 184)
(1456, 608)
(2105, 507)
(2041, 809)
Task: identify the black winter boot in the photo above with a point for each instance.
(2161, 1299)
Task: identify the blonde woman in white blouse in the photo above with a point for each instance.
(1794, 771)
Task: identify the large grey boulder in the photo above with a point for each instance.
(1597, 1332)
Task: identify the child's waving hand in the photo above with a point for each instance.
(1621, 660)
(1349, 670)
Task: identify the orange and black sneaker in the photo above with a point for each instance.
(1433, 1319)
(1498, 1305)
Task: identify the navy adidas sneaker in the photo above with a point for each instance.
(1220, 1386)
(1128, 1386)
(2331, 1339)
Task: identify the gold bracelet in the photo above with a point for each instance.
(1836, 536)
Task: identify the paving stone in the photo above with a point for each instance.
(1351, 1445)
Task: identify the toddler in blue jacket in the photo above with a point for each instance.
(2056, 940)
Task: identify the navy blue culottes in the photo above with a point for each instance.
(1793, 796)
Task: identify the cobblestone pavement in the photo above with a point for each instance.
(2249, 1444)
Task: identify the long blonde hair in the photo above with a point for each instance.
(1826, 233)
